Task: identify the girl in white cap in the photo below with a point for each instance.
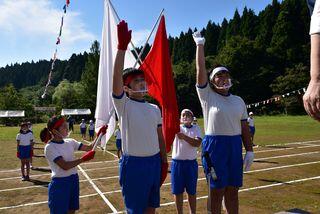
(184, 167)
(91, 130)
(225, 123)
(252, 128)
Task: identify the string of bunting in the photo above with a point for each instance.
(54, 58)
(277, 98)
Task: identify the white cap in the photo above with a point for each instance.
(186, 110)
(91, 121)
(250, 113)
(217, 70)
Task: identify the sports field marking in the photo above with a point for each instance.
(105, 150)
(262, 151)
(171, 203)
(167, 184)
(258, 159)
(282, 149)
(252, 188)
(298, 142)
(97, 190)
(286, 156)
(94, 162)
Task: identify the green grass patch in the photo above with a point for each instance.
(269, 130)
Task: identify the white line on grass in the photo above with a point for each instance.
(98, 190)
(167, 184)
(262, 151)
(284, 144)
(171, 203)
(105, 151)
(286, 156)
(253, 188)
(276, 150)
(258, 159)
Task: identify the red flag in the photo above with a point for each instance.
(159, 77)
(67, 2)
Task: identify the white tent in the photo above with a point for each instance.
(44, 109)
(75, 111)
(11, 113)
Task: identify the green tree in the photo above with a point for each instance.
(89, 78)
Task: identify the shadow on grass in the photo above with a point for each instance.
(38, 182)
(41, 169)
(296, 211)
(38, 156)
(273, 181)
(263, 161)
(278, 147)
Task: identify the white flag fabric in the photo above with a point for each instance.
(105, 113)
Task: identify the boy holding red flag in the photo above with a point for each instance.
(143, 144)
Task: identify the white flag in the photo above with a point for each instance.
(105, 113)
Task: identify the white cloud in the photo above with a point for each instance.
(34, 25)
(139, 37)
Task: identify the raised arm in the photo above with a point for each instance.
(124, 37)
(202, 77)
(311, 99)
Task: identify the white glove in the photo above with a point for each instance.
(248, 160)
(198, 39)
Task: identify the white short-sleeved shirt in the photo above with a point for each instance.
(55, 150)
(251, 121)
(83, 125)
(315, 19)
(117, 134)
(139, 122)
(25, 138)
(91, 126)
(181, 150)
(222, 114)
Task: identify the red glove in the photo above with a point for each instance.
(88, 155)
(31, 152)
(124, 35)
(18, 154)
(164, 172)
(102, 130)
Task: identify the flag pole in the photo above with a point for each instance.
(134, 48)
(153, 28)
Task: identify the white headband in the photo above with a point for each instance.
(186, 110)
(216, 70)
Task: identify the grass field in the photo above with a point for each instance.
(284, 177)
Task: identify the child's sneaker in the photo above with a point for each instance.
(27, 178)
(23, 178)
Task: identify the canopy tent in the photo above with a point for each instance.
(75, 111)
(45, 109)
(10, 113)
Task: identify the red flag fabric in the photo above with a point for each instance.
(67, 2)
(159, 78)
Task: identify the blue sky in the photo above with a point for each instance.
(29, 27)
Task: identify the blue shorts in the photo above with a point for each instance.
(83, 130)
(252, 129)
(63, 194)
(139, 178)
(24, 152)
(226, 157)
(118, 144)
(91, 133)
(184, 176)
